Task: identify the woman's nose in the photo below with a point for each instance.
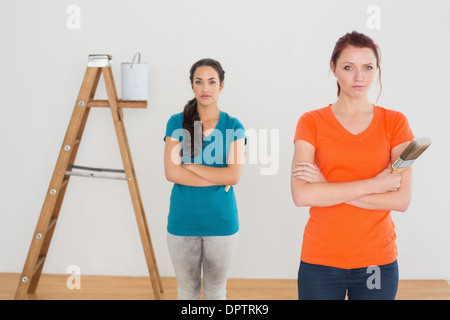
(358, 75)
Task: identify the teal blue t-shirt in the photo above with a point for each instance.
(205, 211)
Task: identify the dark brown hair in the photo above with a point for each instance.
(190, 112)
(358, 40)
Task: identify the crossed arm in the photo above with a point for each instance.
(196, 175)
(386, 191)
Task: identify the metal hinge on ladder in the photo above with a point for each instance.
(99, 60)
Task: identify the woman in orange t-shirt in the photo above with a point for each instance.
(341, 169)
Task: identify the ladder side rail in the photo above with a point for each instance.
(132, 180)
(55, 194)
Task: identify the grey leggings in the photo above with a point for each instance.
(188, 254)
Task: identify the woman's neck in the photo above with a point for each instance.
(346, 105)
(209, 112)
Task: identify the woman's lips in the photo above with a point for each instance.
(358, 87)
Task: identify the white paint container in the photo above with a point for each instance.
(135, 79)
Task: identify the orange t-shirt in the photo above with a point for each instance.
(344, 236)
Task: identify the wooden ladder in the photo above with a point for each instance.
(64, 169)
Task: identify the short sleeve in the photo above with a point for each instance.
(306, 129)
(400, 130)
(174, 127)
(234, 130)
(239, 130)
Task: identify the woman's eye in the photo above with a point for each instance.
(198, 82)
(369, 68)
(347, 68)
(212, 82)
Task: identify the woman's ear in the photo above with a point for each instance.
(333, 69)
(222, 84)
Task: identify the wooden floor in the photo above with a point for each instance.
(54, 287)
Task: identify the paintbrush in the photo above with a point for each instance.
(414, 149)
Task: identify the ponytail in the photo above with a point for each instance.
(190, 116)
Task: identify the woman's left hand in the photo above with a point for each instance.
(308, 172)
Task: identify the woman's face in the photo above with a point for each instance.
(206, 85)
(355, 70)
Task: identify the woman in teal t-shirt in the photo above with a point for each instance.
(203, 157)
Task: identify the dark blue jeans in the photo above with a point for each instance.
(317, 282)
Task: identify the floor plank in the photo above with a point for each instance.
(54, 287)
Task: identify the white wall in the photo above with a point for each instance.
(275, 54)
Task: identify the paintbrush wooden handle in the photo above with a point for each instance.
(399, 170)
(227, 188)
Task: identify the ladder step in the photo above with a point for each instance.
(136, 104)
(71, 166)
(97, 175)
(104, 173)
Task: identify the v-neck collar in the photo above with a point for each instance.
(360, 135)
(217, 125)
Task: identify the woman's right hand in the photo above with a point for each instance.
(386, 181)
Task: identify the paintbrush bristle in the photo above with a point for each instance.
(415, 148)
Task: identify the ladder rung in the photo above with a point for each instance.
(97, 175)
(117, 174)
(139, 104)
(72, 166)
